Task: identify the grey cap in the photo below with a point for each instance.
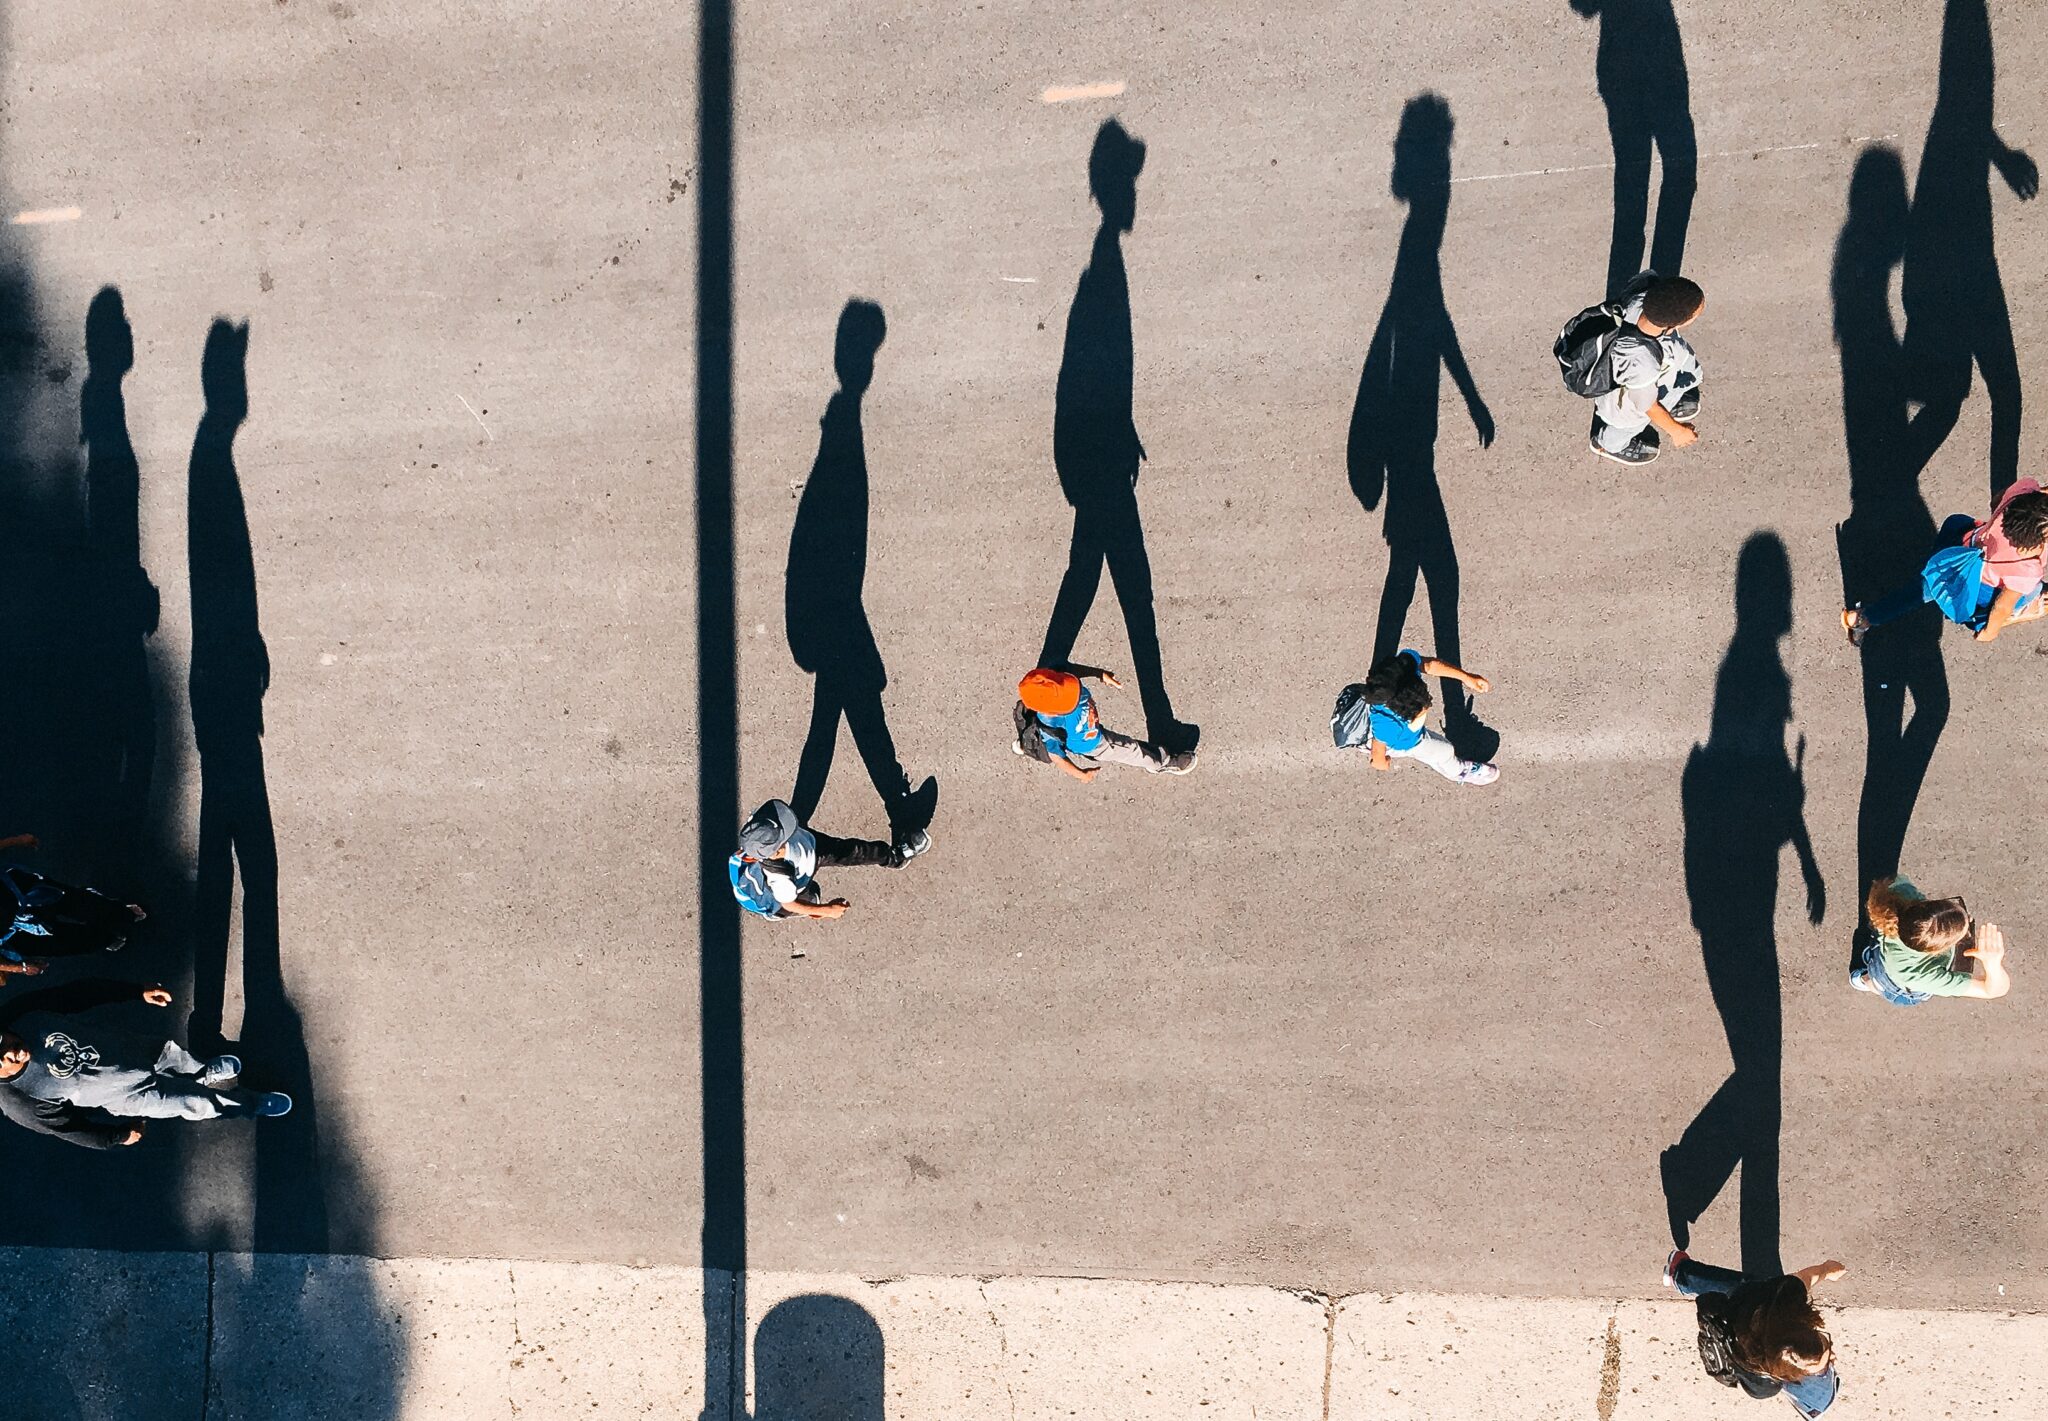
(768, 830)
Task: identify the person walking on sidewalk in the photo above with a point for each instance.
(1656, 372)
(1984, 576)
(1387, 716)
(1057, 724)
(1762, 1334)
(1921, 948)
(66, 1075)
(774, 869)
(42, 918)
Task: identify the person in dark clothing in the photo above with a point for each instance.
(65, 1074)
(1764, 1331)
(41, 917)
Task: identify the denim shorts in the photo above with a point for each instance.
(1872, 971)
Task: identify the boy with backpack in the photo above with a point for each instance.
(774, 869)
(1643, 377)
(1057, 725)
(1983, 576)
(1387, 715)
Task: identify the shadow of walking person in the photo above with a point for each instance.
(113, 493)
(818, 1358)
(824, 611)
(1096, 449)
(1956, 313)
(1392, 446)
(1889, 529)
(1743, 801)
(1640, 69)
(230, 674)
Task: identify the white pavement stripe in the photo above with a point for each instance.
(38, 216)
(293, 1336)
(1704, 158)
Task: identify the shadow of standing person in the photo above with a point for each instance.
(1743, 802)
(1956, 312)
(824, 611)
(1889, 529)
(230, 674)
(113, 491)
(818, 1358)
(1096, 449)
(1392, 446)
(1640, 69)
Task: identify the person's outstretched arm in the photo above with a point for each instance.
(1987, 964)
(1472, 680)
(88, 1129)
(798, 908)
(1814, 1274)
(2016, 168)
(2002, 607)
(20, 841)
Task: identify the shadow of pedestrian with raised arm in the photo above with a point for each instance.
(1889, 529)
(1956, 312)
(1743, 801)
(230, 675)
(1640, 68)
(1096, 449)
(1392, 446)
(824, 611)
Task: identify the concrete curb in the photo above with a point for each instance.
(224, 1337)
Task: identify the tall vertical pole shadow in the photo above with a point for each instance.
(1640, 70)
(1392, 445)
(1743, 801)
(825, 612)
(1096, 449)
(722, 1068)
(1889, 528)
(1956, 314)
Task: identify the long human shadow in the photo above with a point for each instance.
(230, 673)
(1096, 449)
(1640, 70)
(1392, 445)
(818, 1357)
(1956, 314)
(1890, 527)
(824, 608)
(1743, 801)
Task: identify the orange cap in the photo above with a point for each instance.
(1049, 692)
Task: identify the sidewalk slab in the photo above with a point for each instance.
(1033, 1349)
(102, 1336)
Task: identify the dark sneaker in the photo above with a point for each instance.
(917, 843)
(117, 944)
(220, 1072)
(272, 1103)
(1688, 404)
(1179, 764)
(1642, 449)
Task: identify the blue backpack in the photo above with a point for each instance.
(1953, 580)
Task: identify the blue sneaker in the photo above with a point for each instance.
(273, 1103)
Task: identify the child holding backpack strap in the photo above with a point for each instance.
(1762, 1334)
(1387, 715)
(1983, 576)
(1643, 377)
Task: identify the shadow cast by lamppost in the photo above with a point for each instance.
(1392, 446)
(230, 675)
(1640, 70)
(1956, 315)
(1096, 449)
(1743, 801)
(1890, 529)
(824, 608)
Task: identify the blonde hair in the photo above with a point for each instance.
(1925, 925)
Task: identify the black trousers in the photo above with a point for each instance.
(80, 920)
(853, 853)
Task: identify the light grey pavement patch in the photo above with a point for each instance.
(291, 1338)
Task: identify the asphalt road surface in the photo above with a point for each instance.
(1283, 1020)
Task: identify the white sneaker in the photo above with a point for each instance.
(1475, 773)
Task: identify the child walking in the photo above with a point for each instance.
(1924, 948)
(1983, 576)
(1762, 1334)
(1387, 715)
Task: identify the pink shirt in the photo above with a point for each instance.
(2005, 565)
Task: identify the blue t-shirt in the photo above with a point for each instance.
(1389, 729)
(1078, 731)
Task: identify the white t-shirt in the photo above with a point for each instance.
(791, 874)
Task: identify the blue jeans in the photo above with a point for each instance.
(1871, 969)
(1809, 1395)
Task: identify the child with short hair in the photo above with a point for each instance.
(1656, 371)
(2012, 542)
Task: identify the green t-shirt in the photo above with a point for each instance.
(1933, 974)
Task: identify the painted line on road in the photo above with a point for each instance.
(1704, 157)
(1068, 93)
(36, 217)
(475, 416)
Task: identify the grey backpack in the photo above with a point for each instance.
(1351, 721)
